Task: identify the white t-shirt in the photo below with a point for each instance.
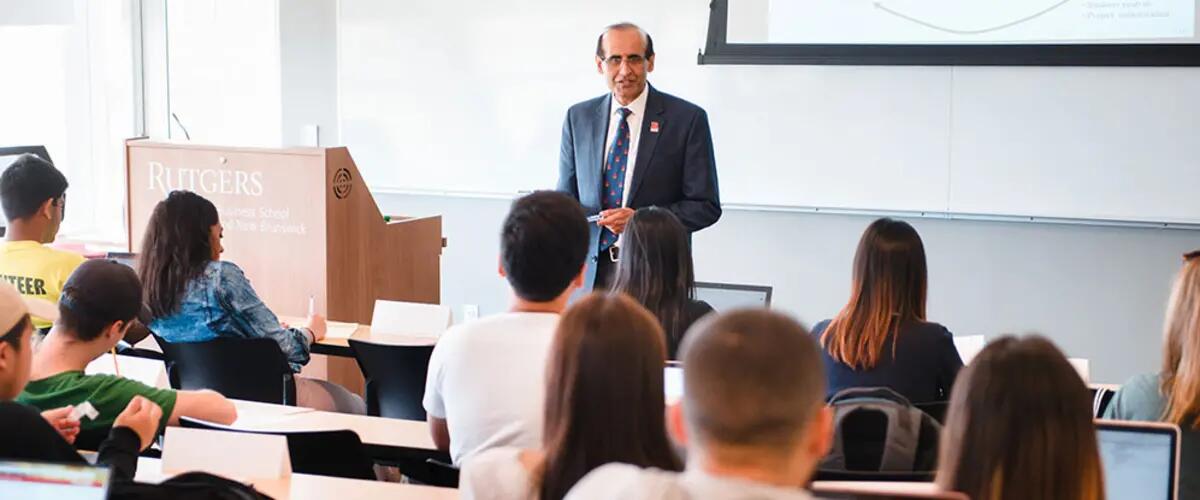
(496, 474)
(487, 381)
(628, 482)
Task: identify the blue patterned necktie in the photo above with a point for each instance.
(614, 174)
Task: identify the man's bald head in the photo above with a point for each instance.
(753, 379)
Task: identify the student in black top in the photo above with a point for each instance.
(655, 268)
(880, 338)
(27, 435)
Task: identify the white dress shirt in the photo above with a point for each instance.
(638, 110)
(628, 482)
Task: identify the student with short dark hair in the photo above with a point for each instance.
(604, 404)
(753, 416)
(486, 378)
(1019, 427)
(33, 195)
(881, 337)
(656, 269)
(194, 296)
(27, 435)
(99, 301)
(1172, 394)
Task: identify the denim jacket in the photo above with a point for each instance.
(221, 303)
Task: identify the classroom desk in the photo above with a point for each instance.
(386, 439)
(306, 486)
(341, 347)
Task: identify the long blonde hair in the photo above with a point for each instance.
(1180, 381)
(888, 290)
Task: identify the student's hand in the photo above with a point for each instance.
(316, 325)
(60, 419)
(615, 219)
(141, 416)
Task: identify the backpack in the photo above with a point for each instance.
(878, 430)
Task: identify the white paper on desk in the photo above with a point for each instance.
(410, 319)
(968, 346)
(151, 372)
(236, 455)
(340, 330)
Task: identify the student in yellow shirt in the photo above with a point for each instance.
(33, 195)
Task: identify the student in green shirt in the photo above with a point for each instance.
(98, 302)
(30, 436)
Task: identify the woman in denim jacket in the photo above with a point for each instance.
(193, 296)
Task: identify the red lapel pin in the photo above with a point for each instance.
(654, 127)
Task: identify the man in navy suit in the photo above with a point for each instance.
(635, 147)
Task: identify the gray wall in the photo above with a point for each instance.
(1098, 292)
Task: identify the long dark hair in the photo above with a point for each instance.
(175, 249)
(604, 393)
(888, 290)
(1019, 426)
(656, 269)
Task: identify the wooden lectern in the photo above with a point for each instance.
(301, 223)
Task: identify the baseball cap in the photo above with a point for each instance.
(14, 307)
(102, 290)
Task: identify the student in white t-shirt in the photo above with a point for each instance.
(486, 378)
(753, 416)
(604, 404)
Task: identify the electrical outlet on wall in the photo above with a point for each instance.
(470, 312)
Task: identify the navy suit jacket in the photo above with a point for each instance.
(675, 167)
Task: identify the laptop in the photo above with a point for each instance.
(726, 296)
(1141, 459)
(46, 481)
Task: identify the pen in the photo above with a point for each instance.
(116, 367)
(595, 218)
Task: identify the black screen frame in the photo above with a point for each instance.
(717, 50)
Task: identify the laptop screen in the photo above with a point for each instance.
(1139, 462)
(38, 481)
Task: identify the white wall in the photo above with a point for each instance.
(469, 96)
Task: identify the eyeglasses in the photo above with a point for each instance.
(615, 61)
(62, 205)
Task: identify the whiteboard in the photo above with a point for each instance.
(469, 96)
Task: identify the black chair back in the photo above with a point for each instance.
(395, 378)
(249, 369)
(338, 453)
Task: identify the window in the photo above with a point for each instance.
(73, 85)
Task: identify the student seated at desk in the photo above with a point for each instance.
(1173, 394)
(753, 416)
(881, 337)
(1019, 427)
(28, 436)
(655, 268)
(486, 378)
(34, 197)
(98, 302)
(604, 404)
(193, 296)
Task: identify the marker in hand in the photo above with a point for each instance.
(594, 219)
